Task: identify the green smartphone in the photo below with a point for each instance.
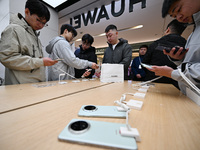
(99, 133)
(101, 111)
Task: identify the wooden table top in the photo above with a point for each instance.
(18, 96)
(167, 120)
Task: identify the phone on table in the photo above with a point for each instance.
(168, 49)
(99, 133)
(101, 111)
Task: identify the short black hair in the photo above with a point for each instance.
(144, 46)
(166, 5)
(69, 28)
(38, 8)
(88, 39)
(110, 27)
(177, 27)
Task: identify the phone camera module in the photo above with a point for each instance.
(79, 127)
(90, 108)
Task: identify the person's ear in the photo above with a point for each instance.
(65, 31)
(168, 30)
(27, 11)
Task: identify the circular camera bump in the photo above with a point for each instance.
(79, 127)
(90, 108)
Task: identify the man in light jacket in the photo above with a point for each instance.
(60, 48)
(20, 48)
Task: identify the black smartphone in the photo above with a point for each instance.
(168, 49)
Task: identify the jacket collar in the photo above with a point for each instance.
(196, 17)
(20, 20)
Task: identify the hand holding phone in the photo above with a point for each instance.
(59, 59)
(87, 73)
(146, 66)
(168, 49)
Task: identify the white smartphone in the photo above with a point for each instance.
(101, 111)
(146, 66)
(59, 59)
(97, 133)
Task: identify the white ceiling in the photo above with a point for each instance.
(149, 17)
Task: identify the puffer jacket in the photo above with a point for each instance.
(156, 57)
(21, 53)
(122, 54)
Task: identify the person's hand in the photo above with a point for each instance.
(138, 76)
(86, 74)
(94, 66)
(48, 61)
(179, 55)
(162, 71)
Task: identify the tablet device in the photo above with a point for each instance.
(101, 111)
(97, 133)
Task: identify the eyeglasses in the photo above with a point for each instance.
(38, 20)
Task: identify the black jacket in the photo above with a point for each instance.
(88, 54)
(156, 57)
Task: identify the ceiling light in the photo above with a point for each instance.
(131, 28)
(102, 34)
(78, 40)
(125, 29)
(137, 27)
(54, 3)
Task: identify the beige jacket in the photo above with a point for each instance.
(21, 53)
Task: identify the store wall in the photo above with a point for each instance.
(8, 7)
(4, 21)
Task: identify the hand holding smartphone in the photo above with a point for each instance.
(168, 49)
(146, 66)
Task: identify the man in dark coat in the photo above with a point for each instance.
(172, 37)
(86, 52)
(119, 51)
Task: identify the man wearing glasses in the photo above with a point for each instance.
(20, 48)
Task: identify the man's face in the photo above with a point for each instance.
(142, 51)
(182, 10)
(85, 45)
(68, 36)
(34, 21)
(112, 37)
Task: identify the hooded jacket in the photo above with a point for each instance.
(122, 54)
(59, 47)
(156, 57)
(88, 54)
(190, 66)
(21, 53)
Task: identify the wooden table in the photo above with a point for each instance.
(18, 96)
(167, 120)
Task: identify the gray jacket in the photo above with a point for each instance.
(191, 63)
(122, 54)
(59, 47)
(21, 53)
